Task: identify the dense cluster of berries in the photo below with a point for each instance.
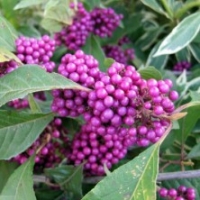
(82, 69)
(97, 150)
(182, 193)
(7, 67)
(53, 150)
(105, 21)
(121, 104)
(119, 54)
(75, 35)
(183, 65)
(100, 21)
(36, 51)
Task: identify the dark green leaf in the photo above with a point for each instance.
(134, 180)
(29, 79)
(6, 169)
(195, 50)
(92, 3)
(7, 35)
(158, 62)
(153, 4)
(69, 178)
(150, 72)
(93, 47)
(20, 184)
(29, 31)
(183, 55)
(148, 38)
(180, 36)
(19, 130)
(195, 152)
(188, 122)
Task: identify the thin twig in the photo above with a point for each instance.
(161, 177)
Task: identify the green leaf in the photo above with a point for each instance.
(6, 169)
(188, 122)
(93, 47)
(57, 13)
(108, 62)
(195, 50)
(69, 178)
(149, 37)
(7, 35)
(20, 184)
(6, 55)
(29, 31)
(183, 55)
(92, 3)
(35, 108)
(158, 62)
(180, 36)
(195, 152)
(27, 3)
(134, 180)
(19, 130)
(153, 4)
(8, 11)
(195, 96)
(29, 79)
(150, 72)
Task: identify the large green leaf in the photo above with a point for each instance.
(180, 36)
(69, 178)
(134, 180)
(158, 62)
(93, 47)
(6, 169)
(29, 79)
(150, 72)
(7, 35)
(27, 3)
(19, 130)
(20, 184)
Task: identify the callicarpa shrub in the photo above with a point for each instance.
(92, 105)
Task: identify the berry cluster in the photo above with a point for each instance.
(100, 21)
(121, 104)
(122, 98)
(7, 67)
(97, 150)
(75, 35)
(183, 65)
(182, 193)
(104, 21)
(52, 152)
(119, 54)
(36, 51)
(82, 69)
